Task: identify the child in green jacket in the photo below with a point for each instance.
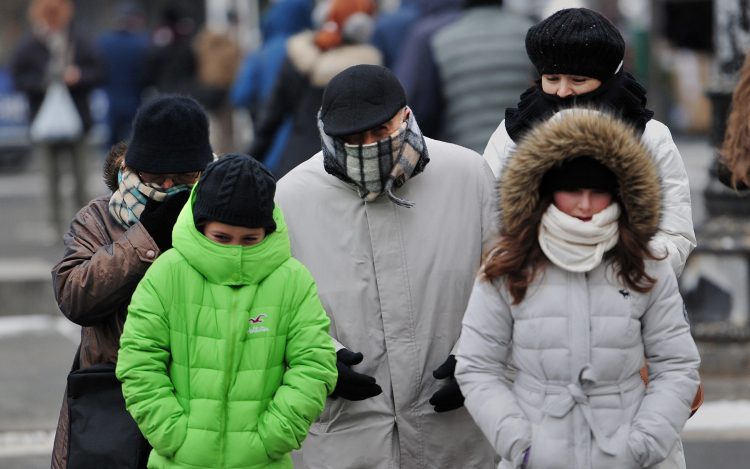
(225, 356)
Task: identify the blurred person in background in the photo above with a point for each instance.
(124, 51)
(218, 57)
(483, 67)
(415, 66)
(171, 65)
(260, 69)
(313, 58)
(391, 29)
(114, 239)
(56, 51)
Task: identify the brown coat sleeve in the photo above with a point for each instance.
(102, 265)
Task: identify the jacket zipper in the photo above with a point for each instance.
(229, 375)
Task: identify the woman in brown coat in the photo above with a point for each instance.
(114, 239)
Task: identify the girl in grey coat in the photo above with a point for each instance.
(574, 290)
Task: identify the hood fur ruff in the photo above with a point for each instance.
(574, 133)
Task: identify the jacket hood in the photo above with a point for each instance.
(287, 17)
(571, 134)
(230, 265)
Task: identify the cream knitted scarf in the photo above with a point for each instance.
(576, 245)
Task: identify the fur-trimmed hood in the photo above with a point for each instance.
(571, 134)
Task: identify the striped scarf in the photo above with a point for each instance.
(378, 167)
(128, 202)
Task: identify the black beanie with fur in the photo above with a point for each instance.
(236, 190)
(576, 41)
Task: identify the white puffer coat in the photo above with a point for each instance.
(579, 339)
(676, 232)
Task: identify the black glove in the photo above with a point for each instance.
(449, 397)
(159, 218)
(351, 385)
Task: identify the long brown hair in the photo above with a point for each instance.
(518, 258)
(735, 151)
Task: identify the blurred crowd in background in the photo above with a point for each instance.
(260, 67)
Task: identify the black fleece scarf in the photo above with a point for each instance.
(621, 94)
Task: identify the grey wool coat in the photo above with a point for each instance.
(579, 339)
(395, 282)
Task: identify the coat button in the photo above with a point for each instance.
(235, 251)
(235, 277)
(150, 254)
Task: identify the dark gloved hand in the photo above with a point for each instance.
(159, 218)
(351, 385)
(449, 397)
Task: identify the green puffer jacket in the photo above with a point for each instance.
(225, 357)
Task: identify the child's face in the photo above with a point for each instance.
(231, 235)
(582, 203)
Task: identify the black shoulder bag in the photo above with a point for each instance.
(101, 432)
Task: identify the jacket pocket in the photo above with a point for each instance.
(622, 459)
(548, 452)
(534, 445)
(330, 412)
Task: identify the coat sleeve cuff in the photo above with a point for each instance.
(338, 345)
(143, 244)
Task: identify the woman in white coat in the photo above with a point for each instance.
(574, 289)
(579, 55)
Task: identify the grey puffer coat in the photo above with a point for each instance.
(579, 339)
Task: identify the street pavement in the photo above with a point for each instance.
(37, 347)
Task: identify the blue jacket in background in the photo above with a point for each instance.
(124, 55)
(257, 76)
(391, 29)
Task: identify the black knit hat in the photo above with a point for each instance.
(359, 99)
(583, 172)
(576, 41)
(170, 135)
(236, 190)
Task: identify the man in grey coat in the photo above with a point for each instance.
(391, 225)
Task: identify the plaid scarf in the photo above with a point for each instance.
(128, 202)
(377, 167)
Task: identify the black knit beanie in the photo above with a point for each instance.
(583, 172)
(170, 135)
(576, 41)
(236, 190)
